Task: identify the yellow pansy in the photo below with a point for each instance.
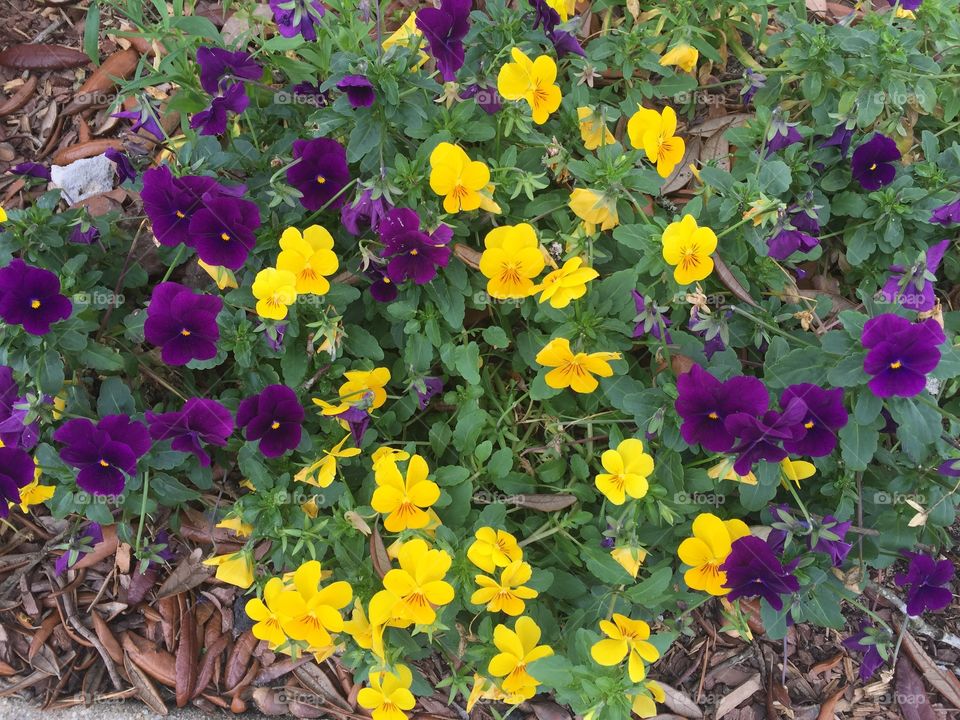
(235, 569)
(724, 471)
(688, 247)
(797, 470)
(311, 612)
(323, 471)
(412, 592)
(683, 56)
(430, 530)
(508, 594)
(223, 277)
(493, 549)
(627, 470)
(593, 130)
(533, 81)
(564, 8)
(236, 523)
(266, 614)
(904, 13)
(385, 453)
(566, 283)
(645, 706)
(407, 35)
(310, 508)
(33, 493)
(358, 627)
(594, 208)
(3, 215)
(625, 637)
(388, 696)
(365, 387)
(275, 291)
(457, 178)
(707, 550)
(483, 689)
(654, 133)
(574, 371)
(403, 500)
(630, 558)
(510, 261)
(518, 648)
(310, 257)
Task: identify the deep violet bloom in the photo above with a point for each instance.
(80, 544)
(487, 98)
(544, 15)
(222, 231)
(358, 89)
(704, 403)
(760, 438)
(753, 570)
(200, 421)
(31, 169)
(213, 120)
(752, 81)
(841, 138)
(565, 43)
(828, 535)
(804, 219)
(650, 319)
(82, 236)
(381, 288)
(357, 420)
(712, 328)
(274, 417)
(321, 173)
(14, 431)
(872, 659)
(364, 214)
(125, 169)
(217, 64)
(781, 134)
(872, 162)
(900, 354)
(144, 117)
(948, 214)
(104, 453)
(274, 336)
(413, 254)
(426, 389)
(950, 468)
(30, 296)
(298, 17)
(929, 583)
(183, 323)
(16, 470)
(171, 202)
(906, 4)
(444, 29)
(913, 288)
(834, 544)
(786, 241)
(825, 415)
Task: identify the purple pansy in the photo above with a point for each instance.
(754, 570)
(948, 214)
(357, 420)
(200, 421)
(381, 288)
(171, 202)
(712, 328)
(321, 173)
(565, 43)
(217, 64)
(84, 235)
(872, 162)
(222, 231)
(213, 120)
(840, 138)
(298, 17)
(788, 240)
(365, 213)
(426, 389)
(781, 134)
(650, 319)
(125, 169)
(30, 297)
(144, 117)
(274, 417)
(929, 583)
(105, 453)
(31, 169)
(752, 81)
(704, 403)
(913, 288)
(486, 97)
(358, 89)
(824, 416)
(900, 354)
(866, 642)
(760, 438)
(831, 539)
(14, 430)
(183, 323)
(950, 468)
(16, 470)
(444, 29)
(413, 254)
(80, 544)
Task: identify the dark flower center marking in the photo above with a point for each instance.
(104, 463)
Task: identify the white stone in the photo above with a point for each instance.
(83, 178)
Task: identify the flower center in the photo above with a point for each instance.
(896, 365)
(35, 304)
(104, 463)
(713, 416)
(414, 252)
(275, 425)
(224, 237)
(691, 257)
(873, 167)
(321, 179)
(180, 215)
(185, 332)
(809, 424)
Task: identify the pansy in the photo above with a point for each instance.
(14, 409)
(594, 208)
(753, 570)
(388, 695)
(444, 28)
(275, 291)
(105, 453)
(183, 323)
(625, 637)
(365, 387)
(236, 524)
(509, 593)
(457, 178)
(358, 89)
(216, 64)
(321, 173)
(947, 214)
(518, 648)
(913, 288)
(752, 81)
(796, 470)
(382, 288)
(404, 499)
(426, 389)
(144, 117)
(688, 247)
(16, 471)
(298, 17)
(323, 471)
(170, 203)
(788, 240)
(309, 257)
(593, 130)
(493, 548)
(655, 134)
(575, 371)
(644, 705)
(533, 81)
(84, 235)
(274, 417)
(387, 454)
(927, 581)
(841, 137)
(267, 614)
(213, 120)
(33, 493)
(712, 328)
(900, 354)
(873, 643)
(567, 283)
(510, 261)
(310, 612)
(707, 550)
(704, 403)
(35, 170)
(683, 56)
(629, 557)
(761, 437)
(125, 169)
(365, 213)
(222, 231)
(413, 253)
(650, 318)
(872, 162)
(781, 134)
(234, 568)
(412, 592)
(824, 416)
(81, 543)
(486, 97)
(30, 297)
(627, 469)
(200, 421)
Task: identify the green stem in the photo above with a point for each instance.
(771, 328)
(900, 635)
(173, 265)
(143, 510)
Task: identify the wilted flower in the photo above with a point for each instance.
(84, 235)
(321, 173)
(200, 421)
(81, 543)
(426, 389)
(593, 131)
(948, 214)
(594, 208)
(365, 213)
(358, 89)
(575, 371)
(928, 583)
(872, 642)
(298, 17)
(872, 162)
(781, 134)
(144, 117)
(683, 56)
(753, 570)
(125, 169)
(14, 430)
(444, 29)
(217, 64)
(841, 137)
(787, 240)
(235, 569)
(105, 453)
(900, 354)
(274, 417)
(183, 323)
(752, 81)
(30, 297)
(650, 318)
(32, 169)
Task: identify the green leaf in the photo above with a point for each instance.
(858, 443)
(51, 372)
(360, 343)
(495, 336)
(115, 398)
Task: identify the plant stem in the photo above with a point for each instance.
(173, 265)
(143, 510)
(903, 631)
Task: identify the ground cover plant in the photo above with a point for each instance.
(493, 343)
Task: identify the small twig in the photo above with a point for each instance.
(919, 624)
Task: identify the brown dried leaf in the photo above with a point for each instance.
(88, 149)
(378, 554)
(545, 503)
(188, 654)
(946, 683)
(158, 664)
(911, 694)
(31, 56)
(189, 573)
(94, 90)
(467, 255)
(20, 98)
(239, 662)
(106, 637)
(680, 703)
(145, 689)
(738, 696)
(682, 174)
(731, 282)
(829, 705)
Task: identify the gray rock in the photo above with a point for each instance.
(83, 178)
